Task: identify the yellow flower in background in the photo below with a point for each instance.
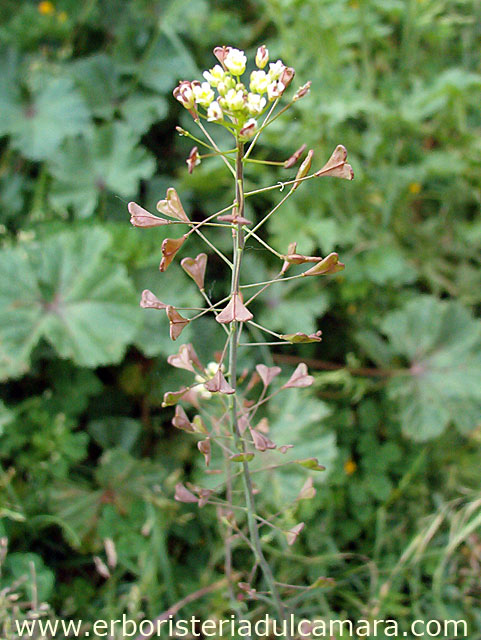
(350, 467)
(46, 8)
(414, 188)
(62, 17)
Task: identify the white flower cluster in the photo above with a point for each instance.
(233, 100)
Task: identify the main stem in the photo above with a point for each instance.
(238, 248)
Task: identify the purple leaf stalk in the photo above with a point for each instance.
(222, 397)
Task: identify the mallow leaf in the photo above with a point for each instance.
(100, 82)
(120, 482)
(39, 120)
(108, 158)
(166, 62)
(442, 344)
(114, 431)
(65, 290)
(295, 418)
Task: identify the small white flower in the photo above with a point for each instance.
(234, 100)
(211, 369)
(215, 75)
(235, 61)
(259, 81)
(255, 104)
(214, 112)
(203, 94)
(276, 69)
(275, 90)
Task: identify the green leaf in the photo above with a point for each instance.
(37, 125)
(310, 303)
(64, 290)
(115, 432)
(6, 416)
(141, 110)
(108, 158)
(167, 62)
(383, 265)
(375, 347)
(296, 418)
(100, 82)
(120, 481)
(442, 343)
(31, 570)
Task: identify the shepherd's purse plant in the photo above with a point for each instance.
(230, 435)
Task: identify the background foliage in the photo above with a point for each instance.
(86, 123)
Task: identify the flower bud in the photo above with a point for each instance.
(193, 160)
(302, 91)
(184, 94)
(287, 76)
(221, 53)
(262, 56)
(248, 129)
(235, 62)
(290, 162)
(304, 168)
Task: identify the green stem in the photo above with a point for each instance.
(238, 242)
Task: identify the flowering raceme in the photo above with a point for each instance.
(226, 99)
